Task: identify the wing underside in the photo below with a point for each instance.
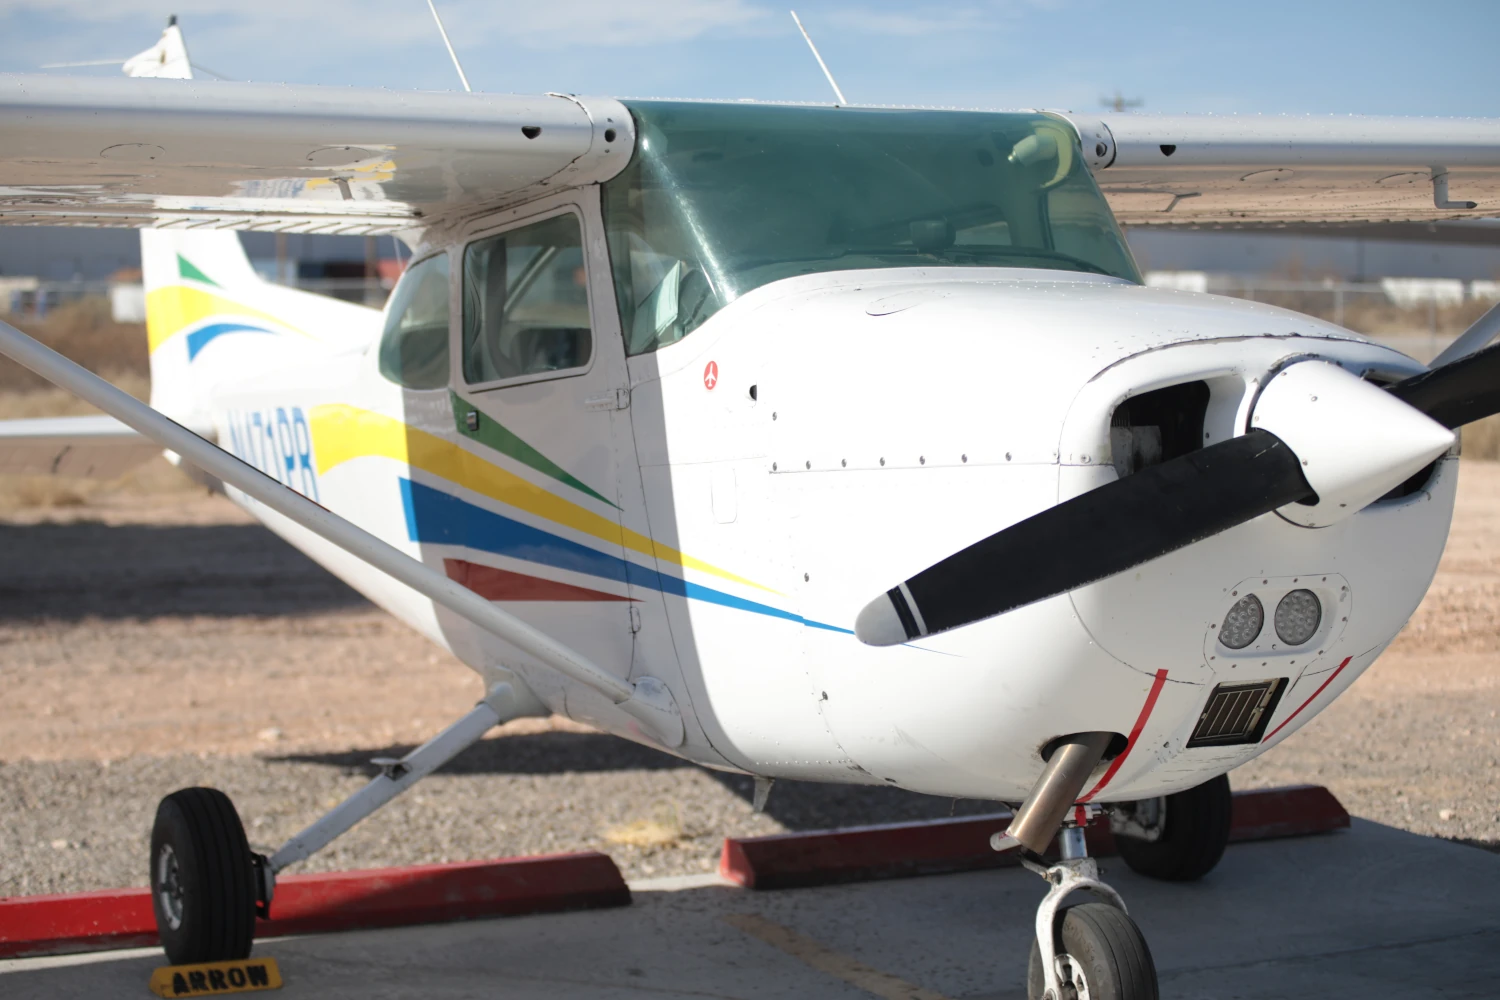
(198, 154)
(1265, 169)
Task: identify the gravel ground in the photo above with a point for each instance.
(74, 825)
(153, 643)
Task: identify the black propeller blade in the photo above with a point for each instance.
(1094, 535)
(1149, 514)
(1458, 393)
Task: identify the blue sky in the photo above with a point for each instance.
(1372, 57)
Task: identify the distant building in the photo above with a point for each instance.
(67, 254)
(1306, 257)
(329, 263)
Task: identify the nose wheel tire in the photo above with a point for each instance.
(1194, 830)
(202, 878)
(1101, 955)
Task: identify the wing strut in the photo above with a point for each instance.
(647, 700)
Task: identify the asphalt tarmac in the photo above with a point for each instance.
(1368, 912)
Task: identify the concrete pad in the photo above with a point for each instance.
(1370, 912)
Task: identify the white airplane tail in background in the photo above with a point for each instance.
(209, 318)
(201, 290)
(209, 315)
(167, 59)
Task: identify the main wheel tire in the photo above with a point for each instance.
(202, 878)
(1193, 838)
(1107, 956)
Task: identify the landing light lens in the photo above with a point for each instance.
(1298, 616)
(1243, 623)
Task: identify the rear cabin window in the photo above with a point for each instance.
(414, 344)
(719, 199)
(526, 304)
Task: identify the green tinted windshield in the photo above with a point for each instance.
(719, 199)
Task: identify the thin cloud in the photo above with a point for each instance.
(473, 23)
(913, 20)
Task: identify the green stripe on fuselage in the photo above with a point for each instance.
(493, 434)
(186, 269)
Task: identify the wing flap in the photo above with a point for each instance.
(98, 447)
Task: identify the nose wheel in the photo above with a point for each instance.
(203, 878)
(1094, 951)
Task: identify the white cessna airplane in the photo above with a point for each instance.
(833, 443)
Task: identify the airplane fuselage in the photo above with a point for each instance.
(719, 523)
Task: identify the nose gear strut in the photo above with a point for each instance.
(1081, 951)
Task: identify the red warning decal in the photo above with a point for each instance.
(711, 375)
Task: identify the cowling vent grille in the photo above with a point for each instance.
(1237, 713)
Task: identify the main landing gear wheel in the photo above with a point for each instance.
(1191, 830)
(1101, 955)
(203, 878)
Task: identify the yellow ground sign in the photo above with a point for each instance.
(245, 975)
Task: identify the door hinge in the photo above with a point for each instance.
(635, 619)
(615, 399)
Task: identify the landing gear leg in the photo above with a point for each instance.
(207, 887)
(1088, 951)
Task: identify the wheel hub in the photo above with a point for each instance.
(169, 886)
(1075, 984)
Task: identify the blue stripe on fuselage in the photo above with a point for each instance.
(439, 518)
(444, 519)
(199, 338)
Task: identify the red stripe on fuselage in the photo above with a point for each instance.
(1135, 734)
(495, 584)
(1309, 701)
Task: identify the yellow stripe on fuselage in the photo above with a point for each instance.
(342, 433)
(173, 308)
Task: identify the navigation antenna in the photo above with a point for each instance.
(831, 81)
(451, 54)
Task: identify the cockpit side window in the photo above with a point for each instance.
(526, 304)
(414, 344)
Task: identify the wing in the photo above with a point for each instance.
(1268, 169)
(207, 154)
(94, 447)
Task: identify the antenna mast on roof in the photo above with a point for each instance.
(451, 54)
(831, 81)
